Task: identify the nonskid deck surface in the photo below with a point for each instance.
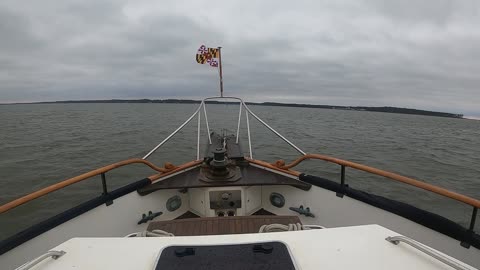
(360, 247)
(219, 225)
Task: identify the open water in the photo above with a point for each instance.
(41, 144)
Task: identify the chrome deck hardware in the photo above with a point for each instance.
(52, 253)
(427, 250)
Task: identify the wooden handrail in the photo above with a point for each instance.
(42, 192)
(407, 180)
(273, 167)
(185, 166)
(278, 166)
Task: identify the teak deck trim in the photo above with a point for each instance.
(219, 225)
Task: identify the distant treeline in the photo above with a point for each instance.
(189, 101)
(371, 109)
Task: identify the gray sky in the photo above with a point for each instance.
(420, 54)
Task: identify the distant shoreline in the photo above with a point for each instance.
(335, 107)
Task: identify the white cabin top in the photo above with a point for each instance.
(359, 247)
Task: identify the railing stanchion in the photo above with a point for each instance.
(104, 184)
(105, 191)
(206, 122)
(239, 119)
(474, 217)
(342, 182)
(248, 133)
(469, 235)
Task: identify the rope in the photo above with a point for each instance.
(154, 233)
(286, 228)
(264, 229)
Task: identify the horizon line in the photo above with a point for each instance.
(145, 100)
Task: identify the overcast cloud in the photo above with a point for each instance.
(419, 54)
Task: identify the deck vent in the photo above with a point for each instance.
(277, 199)
(173, 203)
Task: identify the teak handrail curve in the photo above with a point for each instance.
(279, 166)
(407, 180)
(42, 192)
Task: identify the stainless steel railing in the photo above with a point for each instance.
(173, 133)
(52, 253)
(247, 113)
(427, 250)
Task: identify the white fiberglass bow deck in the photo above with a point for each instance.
(227, 210)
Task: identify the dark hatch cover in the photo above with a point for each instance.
(268, 255)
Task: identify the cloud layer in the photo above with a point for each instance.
(422, 54)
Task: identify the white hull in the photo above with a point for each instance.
(120, 219)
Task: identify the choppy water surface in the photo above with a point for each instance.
(42, 144)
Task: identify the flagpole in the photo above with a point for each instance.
(220, 70)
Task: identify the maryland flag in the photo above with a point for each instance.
(208, 55)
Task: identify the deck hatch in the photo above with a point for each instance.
(265, 255)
